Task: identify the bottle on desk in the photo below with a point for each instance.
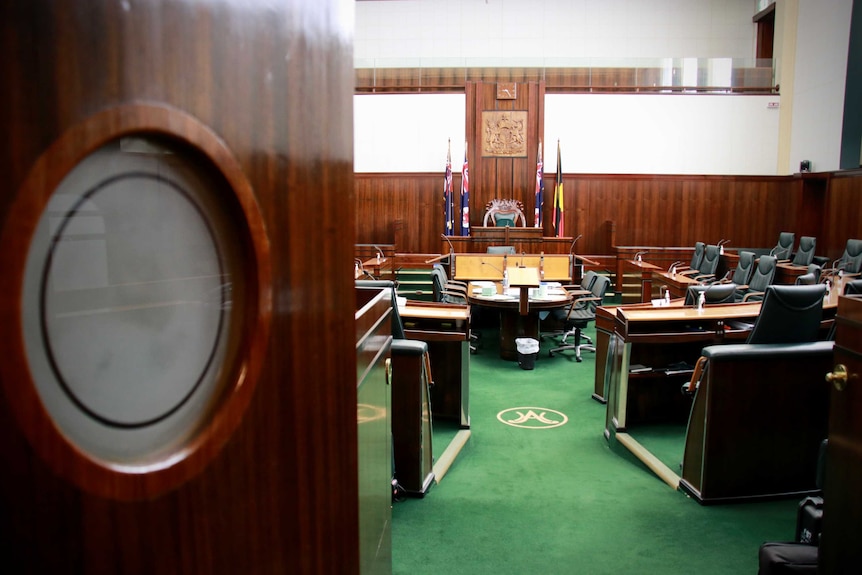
(701, 301)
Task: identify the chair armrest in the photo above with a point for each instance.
(704, 277)
(751, 294)
(687, 272)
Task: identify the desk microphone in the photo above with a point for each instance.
(639, 254)
(503, 272)
(672, 269)
(448, 241)
(520, 265)
(380, 255)
(574, 241)
(721, 246)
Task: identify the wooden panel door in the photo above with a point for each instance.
(840, 543)
(178, 380)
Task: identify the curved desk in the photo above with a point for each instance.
(513, 322)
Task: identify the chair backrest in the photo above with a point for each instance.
(853, 288)
(588, 280)
(709, 265)
(812, 276)
(697, 256)
(504, 213)
(744, 268)
(851, 261)
(764, 274)
(501, 249)
(789, 314)
(600, 287)
(805, 253)
(712, 294)
(784, 247)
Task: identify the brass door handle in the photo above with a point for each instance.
(838, 377)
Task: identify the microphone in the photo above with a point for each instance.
(448, 241)
(672, 269)
(380, 255)
(502, 271)
(574, 241)
(521, 265)
(721, 246)
(638, 255)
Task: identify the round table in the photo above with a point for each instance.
(513, 323)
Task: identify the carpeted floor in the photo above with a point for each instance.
(558, 500)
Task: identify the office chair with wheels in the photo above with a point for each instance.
(805, 254)
(713, 293)
(587, 281)
(761, 278)
(580, 314)
(789, 314)
(784, 248)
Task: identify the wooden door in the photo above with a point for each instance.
(841, 542)
(178, 380)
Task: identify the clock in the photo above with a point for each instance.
(507, 90)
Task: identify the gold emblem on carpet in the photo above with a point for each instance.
(532, 417)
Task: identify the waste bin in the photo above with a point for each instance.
(528, 349)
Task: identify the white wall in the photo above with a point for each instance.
(523, 31)
(823, 34)
(599, 133)
(408, 132)
(661, 134)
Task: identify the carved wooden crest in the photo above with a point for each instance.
(504, 134)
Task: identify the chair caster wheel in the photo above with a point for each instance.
(578, 359)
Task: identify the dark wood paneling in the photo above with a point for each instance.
(640, 210)
(274, 81)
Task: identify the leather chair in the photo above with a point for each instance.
(716, 293)
(789, 314)
(587, 281)
(853, 287)
(850, 262)
(446, 290)
(805, 254)
(500, 249)
(579, 314)
(784, 248)
(696, 259)
(761, 278)
(741, 274)
(709, 264)
(810, 277)
(501, 213)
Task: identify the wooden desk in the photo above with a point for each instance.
(446, 330)
(552, 267)
(647, 272)
(513, 323)
(529, 240)
(787, 273)
(661, 339)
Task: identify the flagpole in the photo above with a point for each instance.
(540, 189)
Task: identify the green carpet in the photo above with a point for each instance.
(558, 500)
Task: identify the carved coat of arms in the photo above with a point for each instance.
(505, 134)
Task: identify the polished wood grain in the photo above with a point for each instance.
(273, 82)
(629, 210)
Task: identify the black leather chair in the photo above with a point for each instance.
(850, 261)
(763, 276)
(789, 314)
(805, 254)
(579, 314)
(709, 264)
(741, 274)
(853, 287)
(810, 277)
(712, 294)
(696, 259)
(446, 290)
(784, 248)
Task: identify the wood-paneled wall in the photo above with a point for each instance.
(633, 210)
